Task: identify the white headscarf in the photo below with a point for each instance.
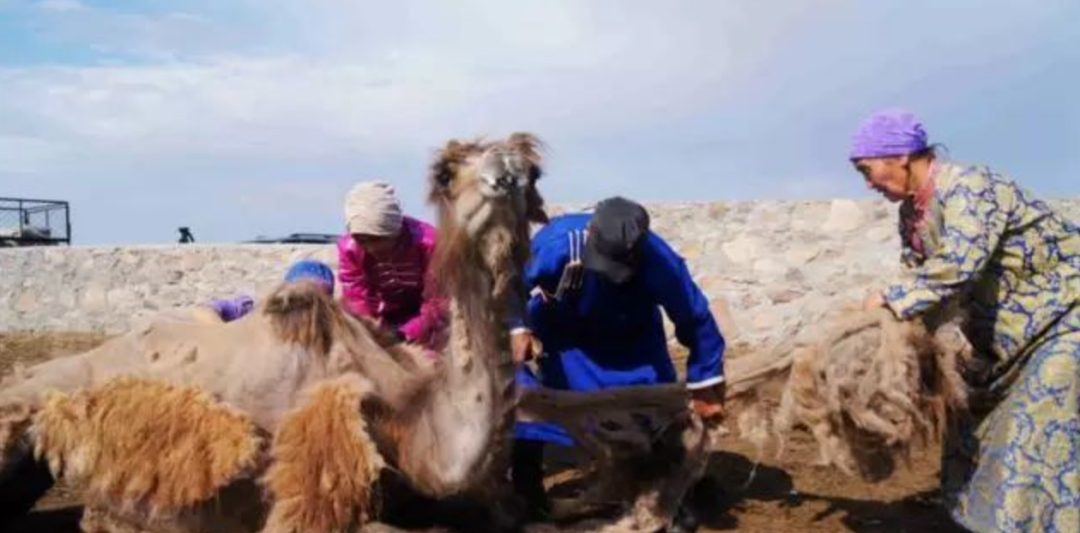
(372, 208)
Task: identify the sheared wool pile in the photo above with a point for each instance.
(869, 388)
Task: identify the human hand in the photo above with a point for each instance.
(874, 300)
(524, 346)
(708, 403)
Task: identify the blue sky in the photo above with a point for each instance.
(247, 117)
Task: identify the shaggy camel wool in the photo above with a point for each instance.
(324, 465)
(145, 446)
(871, 389)
(305, 317)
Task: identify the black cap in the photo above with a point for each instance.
(616, 231)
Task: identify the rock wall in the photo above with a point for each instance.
(109, 288)
(769, 268)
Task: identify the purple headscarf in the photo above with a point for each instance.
(892, 132)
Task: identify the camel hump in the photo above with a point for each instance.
(301, 313)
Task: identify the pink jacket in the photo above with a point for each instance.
(397, 290)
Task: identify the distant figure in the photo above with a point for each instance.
(230, 309)
(185, 236)
(384, 259)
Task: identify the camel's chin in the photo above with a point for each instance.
(478, 222)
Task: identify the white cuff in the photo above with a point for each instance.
(519, 330)
(698, 385)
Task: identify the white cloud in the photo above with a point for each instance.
(24, 155)
(61, 5)
(564, 68)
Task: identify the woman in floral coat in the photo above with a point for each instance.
(973, 237)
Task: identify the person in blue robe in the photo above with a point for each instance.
(598, 283)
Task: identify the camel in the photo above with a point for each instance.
(284, 421)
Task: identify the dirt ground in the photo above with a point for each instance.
(786, 495)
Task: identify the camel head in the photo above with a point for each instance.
(485, 193)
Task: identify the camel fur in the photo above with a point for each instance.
(872, 389)
(156, 447)
(868, 387)
(325, 465)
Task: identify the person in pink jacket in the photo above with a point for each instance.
(383, 266)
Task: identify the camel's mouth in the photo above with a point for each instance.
(503, 173)
(493, 190)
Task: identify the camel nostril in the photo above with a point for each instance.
(498, 183)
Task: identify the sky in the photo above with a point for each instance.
(241, 118)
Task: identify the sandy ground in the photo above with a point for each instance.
(789, 494)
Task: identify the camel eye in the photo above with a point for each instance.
(444, 176)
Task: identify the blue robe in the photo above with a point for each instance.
(604, 335)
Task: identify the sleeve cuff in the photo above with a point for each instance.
(697, 385)
(898, 313)
(899, 301)
(411, 331)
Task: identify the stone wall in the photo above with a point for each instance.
(108, 288)
(769, 268)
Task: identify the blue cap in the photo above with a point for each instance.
(311, 270)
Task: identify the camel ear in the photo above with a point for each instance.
(445, 167)
(530, 147)
(535, 207)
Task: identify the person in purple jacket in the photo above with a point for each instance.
(230, 309)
